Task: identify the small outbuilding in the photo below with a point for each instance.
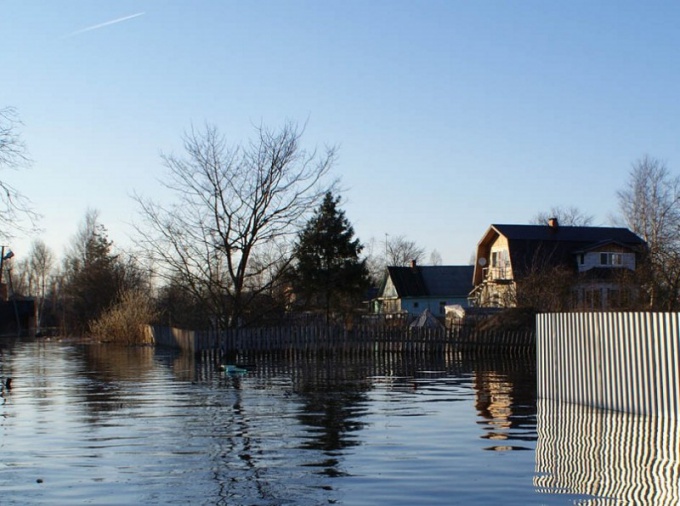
(409, 291)
(426, 320)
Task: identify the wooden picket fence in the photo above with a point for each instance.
(369, 338)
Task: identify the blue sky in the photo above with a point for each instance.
(449, 115)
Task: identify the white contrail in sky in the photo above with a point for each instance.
(102, 25)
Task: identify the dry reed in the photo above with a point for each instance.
(126, 322)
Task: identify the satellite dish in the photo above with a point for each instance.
(482, 261)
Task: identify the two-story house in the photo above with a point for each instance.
(594, 261)
(408, 291)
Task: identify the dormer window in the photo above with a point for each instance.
(613, 259)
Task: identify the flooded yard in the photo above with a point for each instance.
(106, 425)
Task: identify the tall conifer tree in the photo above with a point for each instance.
(329, 275)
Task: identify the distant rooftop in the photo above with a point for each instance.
(432, 280)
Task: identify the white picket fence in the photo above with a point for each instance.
(627, 362)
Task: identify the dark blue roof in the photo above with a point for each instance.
(569, 234)
(432, 280)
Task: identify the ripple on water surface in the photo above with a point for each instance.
(105, 425)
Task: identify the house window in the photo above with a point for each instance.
(582, 259)
(415, 304)
(442, 307)
(615, 259)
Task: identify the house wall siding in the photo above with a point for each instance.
(390, 290)
(391, 306)
(501, 242)
(417, 305)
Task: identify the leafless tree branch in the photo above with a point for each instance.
(650, 207)
(227, 233)
(15, 207)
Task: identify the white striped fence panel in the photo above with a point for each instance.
(622, 361)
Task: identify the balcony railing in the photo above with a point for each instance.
(497, 273)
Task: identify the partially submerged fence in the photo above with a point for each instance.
(622, 361)
(337, 339)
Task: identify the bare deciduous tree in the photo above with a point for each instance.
(435, 257)
(12, 147)
(14, 206)
(650, 207)
(401, 251)
(567, 216)
(375, 261)
(393, 251)
(41, 261)
(233, 205)
(32, 275)
(546, 289)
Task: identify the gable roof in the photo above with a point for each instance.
(432, 280)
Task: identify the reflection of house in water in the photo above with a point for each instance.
(494, 402)
(614, 457)
(505, 398)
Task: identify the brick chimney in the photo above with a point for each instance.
(553, 224)
(413, 264)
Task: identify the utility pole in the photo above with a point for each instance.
(4, 257)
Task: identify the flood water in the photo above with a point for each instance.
(106, 425)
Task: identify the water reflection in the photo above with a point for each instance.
(295, 430)
(617, 458)
(333, 402)
(506, 403)
(110, 375)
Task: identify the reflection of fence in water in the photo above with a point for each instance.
(618, 458)
(515, 370)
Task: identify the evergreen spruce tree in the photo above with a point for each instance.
(329, 275)
(93, 280)
(94, 277)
